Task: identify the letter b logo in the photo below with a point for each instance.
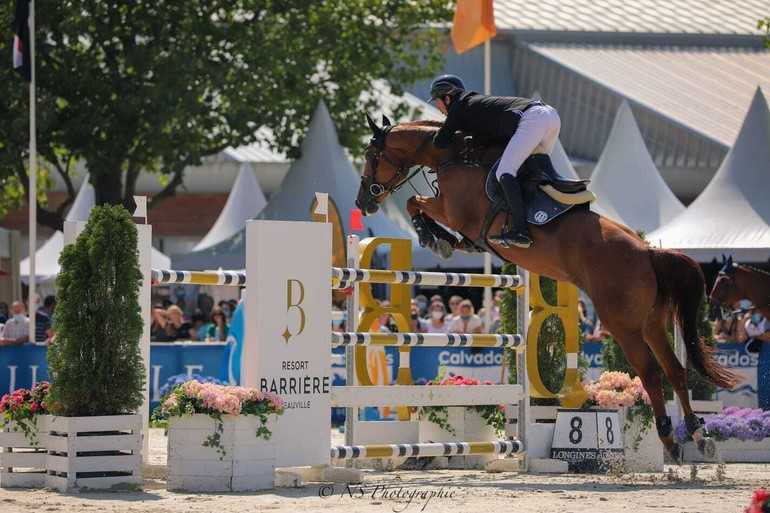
(295, 294)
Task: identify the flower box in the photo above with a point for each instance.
(248, 462)
(94, 453)
(641, 452)
(732, 450)
(468, 426)
(22, 460)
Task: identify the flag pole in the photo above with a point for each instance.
(32, 173)
(487, 255)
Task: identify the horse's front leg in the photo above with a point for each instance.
(424, 211)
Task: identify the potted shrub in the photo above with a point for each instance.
(95, 363)
(219, 437)
(472, 423)
(616, 390)
(743, 436)
(22, 437)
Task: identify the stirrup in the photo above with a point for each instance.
(512, 238)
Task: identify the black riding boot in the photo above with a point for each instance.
(519, 236)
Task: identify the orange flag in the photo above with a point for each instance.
(474, 23)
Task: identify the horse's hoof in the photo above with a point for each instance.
(443, 249)
(676, 453)
(707, 447)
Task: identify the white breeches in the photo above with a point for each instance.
(539, 125)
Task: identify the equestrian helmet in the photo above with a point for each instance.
(444, 85)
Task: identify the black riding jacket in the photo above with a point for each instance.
(496, 117)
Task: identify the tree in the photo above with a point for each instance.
(129, 86)
(95, 361)
(764, 23)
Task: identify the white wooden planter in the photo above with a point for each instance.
(247, 465)
(469, 426)
(94, 453)
(647, 455)
(22, 460)
(733, 450)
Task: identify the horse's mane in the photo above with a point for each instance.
(754, 269)
(421, 123)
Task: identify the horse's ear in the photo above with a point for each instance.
(373, 126)
(730, 261)
(385, 121)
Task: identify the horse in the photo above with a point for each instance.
(634, 287)
(735, 282)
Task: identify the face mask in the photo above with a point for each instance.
(436, 314)
(423, 305)
(337, 322)
(465, 317)
(18, 317)
(745, 304)
(755, 318)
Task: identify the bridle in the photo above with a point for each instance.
(373, 189)
(719, 293)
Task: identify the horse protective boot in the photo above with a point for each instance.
(519, 236)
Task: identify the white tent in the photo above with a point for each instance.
(47, 256)
(628, 186)
(245, 202)
(732, 215)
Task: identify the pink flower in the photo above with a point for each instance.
(33, 407)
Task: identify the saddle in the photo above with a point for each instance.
(547, 194)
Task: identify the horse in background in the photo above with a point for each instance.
(735, 282)
(634, 287)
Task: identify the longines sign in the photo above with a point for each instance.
(287, 343)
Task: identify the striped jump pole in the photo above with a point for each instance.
(165, 276)
(350, 452)
(426, 339)
(348, 275)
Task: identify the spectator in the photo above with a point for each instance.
(454, 307)
(180, 294)
(178, 328)
(598, 334)
(466, 321)
(586, 326)
(16, 330)
(337, 324)
(496, 300)
(422, 304)
(753, 330)
(199, 327)
(233, 304)
(219, 326)
(436, 322)
(726, 330)
(206, 304)
(384, 323)
(3, 312)
(436, 297)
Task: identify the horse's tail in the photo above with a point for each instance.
(682, 287)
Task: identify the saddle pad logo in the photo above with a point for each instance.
(541, 216)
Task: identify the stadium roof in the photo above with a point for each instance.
(705, 89)
(726, 17)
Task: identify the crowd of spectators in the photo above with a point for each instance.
(201, 321)
(15, 324)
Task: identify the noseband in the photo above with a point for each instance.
(374, 189)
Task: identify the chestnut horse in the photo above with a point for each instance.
(633, 286)
(736, 282)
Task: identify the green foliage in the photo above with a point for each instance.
(551, 340)
(95, 361)
(764, 23)
(130, 86)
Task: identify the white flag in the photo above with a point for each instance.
(141, 206)
(322, 209)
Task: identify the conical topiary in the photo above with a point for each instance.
(95, 361)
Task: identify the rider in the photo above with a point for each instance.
(521, 123)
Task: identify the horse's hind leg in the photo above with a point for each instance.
(640, 359)
(657, 338)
